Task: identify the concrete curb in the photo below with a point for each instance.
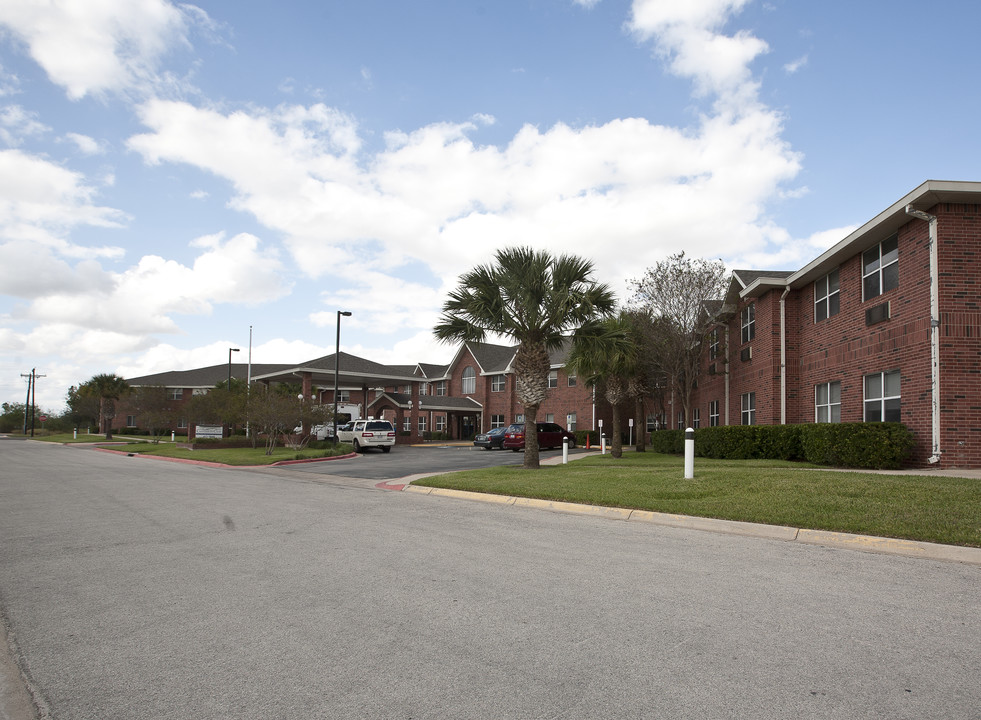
(847, 541)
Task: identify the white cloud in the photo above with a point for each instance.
(16, 123)
(85, 144)
(795, 65)
(41, 202)
(100, 46)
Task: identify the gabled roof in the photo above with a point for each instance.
(429, 402)
(432, 372)
(351, 368)
(205, 377)
(490, 359)
(557, 357)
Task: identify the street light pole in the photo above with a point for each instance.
(337, 365)
(230, 351)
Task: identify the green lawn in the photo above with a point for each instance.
(933, 509)
(226, 456)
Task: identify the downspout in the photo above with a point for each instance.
(783, 356)
(727, 375)
(934, 330)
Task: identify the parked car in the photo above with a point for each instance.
(369, 433)
(549, 436)
(490, 440)
(317, 432)
(344, 432)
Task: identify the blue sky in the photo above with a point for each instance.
(172, 174)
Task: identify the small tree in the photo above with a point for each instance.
(607, 355)
(153, 408)
(534, 299)
(108, 388)
(272, 414)
(674, 292)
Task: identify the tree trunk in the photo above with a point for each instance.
(616, 450)
(641, 421)
(532, 455)
(531, 365)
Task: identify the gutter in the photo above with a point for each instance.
(934, 331)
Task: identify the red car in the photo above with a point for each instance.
(549, 436)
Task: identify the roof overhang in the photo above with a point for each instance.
(885, 224)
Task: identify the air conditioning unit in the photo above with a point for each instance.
(877, 314)
(746, 353)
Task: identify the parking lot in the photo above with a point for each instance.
(405, 460)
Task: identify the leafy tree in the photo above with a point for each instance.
(83, 406)
(108, 388)
(607, 355)
(154, 408)
(533, 299)
(272, 414)
(674, 292)
(12, 417)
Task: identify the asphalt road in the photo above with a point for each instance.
(136, 588)
(403, 461)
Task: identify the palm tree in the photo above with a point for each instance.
(608, 356)
(533, 299)
(108, 388)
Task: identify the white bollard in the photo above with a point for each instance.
(602, 444)
(172, 436)
(565, 451)
(689, 453)
(75, 434)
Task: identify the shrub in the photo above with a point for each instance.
(861, 445)
(582, 435)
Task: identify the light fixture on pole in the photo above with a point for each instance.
(337, 365)
(230, 351)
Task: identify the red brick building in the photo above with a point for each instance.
(885, 325)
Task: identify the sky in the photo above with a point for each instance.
(179, 179)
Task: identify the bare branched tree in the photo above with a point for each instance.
(675, 292)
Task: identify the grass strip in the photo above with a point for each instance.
(914, 507)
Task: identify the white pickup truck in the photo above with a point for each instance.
(368, 433)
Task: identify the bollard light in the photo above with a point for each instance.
(689, 453)
(565, 451)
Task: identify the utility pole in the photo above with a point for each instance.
(31, 389)
(27, 402)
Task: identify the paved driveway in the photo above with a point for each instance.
(406, 460)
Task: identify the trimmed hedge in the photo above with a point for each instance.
(862, 445)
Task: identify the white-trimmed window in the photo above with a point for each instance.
(130, 421)
(714, 344)
(423, 388)
(748, 322)
(182, 423)
(343, 396)
(175, 393)
(440, 422)
(713, 413)
(422, 424)
(550, 417)
(696, 418)
(407, 423)
(498, 383)
(748, 411)
(882, 397)
(681, 420)
(572, 379)
(497, 421)
(827, 402)
(553, 378)
(441, 388)
(880, 268)
(469, 381)
(570, 422)
(827, 298)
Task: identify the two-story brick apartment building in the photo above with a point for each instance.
(885, 325)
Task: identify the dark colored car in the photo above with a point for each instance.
(490, 440)
(549, 436)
